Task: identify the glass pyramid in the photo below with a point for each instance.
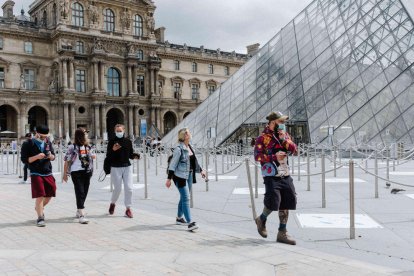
(344, 65)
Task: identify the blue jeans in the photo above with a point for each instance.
(184, 203)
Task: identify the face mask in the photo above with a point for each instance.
(119, 134)
(282, 127)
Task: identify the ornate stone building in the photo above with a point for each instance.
(98, 63)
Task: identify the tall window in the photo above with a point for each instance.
(54, 15)
(109, 20)
(80, 81)
(140, 85)
(140, 55)
(138, 25)
(80, 47)
(29, 79)
(177, 89)
(194, 91)
(113, 84)
(210, 69)
(226, 70)
(211, 89)
(77, 14)
(1, 43)
(1, 77)
(176, 65)
(28, 47)
(194, 67)
(44, 19)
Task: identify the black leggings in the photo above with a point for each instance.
(81, 181)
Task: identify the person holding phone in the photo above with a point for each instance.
(271, 150)
(119, 152)
(38, 153)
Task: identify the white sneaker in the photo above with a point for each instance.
(22, 182)
(83, 220)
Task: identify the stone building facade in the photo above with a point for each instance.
(97, 63)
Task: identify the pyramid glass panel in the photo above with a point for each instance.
(346, 64)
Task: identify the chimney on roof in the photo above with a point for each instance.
(8, 9)
(252, 49)
(159, 34)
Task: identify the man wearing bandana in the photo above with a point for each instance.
(38, 153)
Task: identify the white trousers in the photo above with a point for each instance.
(117, 176)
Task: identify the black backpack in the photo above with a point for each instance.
(170, 157)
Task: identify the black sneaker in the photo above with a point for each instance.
(40, 222)
(192, 226)
(180, 221)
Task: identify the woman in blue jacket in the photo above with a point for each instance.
(181, 170)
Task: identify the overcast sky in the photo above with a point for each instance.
(225, 24)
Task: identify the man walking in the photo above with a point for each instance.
(38, 152)
(28, 137)
(271, 150)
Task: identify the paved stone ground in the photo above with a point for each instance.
(226, 243)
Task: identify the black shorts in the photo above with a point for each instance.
(280, 193)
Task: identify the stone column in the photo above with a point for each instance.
(129, 82)
(64, 74)
(95, 76)
(103, 118)
(161, 122)
(65, 119)
(72, 120)
(156, 89)
(131, 120)
(71, 75)
(23, 120)
(102, 76)
(134, 80)
(159, 118)
(152, 81)
(152, 117)
(97, 122)
(136, 120)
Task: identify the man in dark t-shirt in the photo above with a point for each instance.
(37, 153)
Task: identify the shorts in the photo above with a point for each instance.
(43, 186)
(280, 193)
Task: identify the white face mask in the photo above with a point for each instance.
(119, 134)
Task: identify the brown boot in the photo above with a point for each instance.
(261, 227)
(283, 237)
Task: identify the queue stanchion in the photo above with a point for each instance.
(299, 151)
(249, 179)
(308, 169)
(351, 200)
(256, 181)
(207, 172)
(215, 167)
(7, 161)
(376, 174)
(19, 164)
(138, 170)
(227, 155)
(156, 164)
(145, 176)
(334, 160)
(222, 162)
(388, 171)
(323, 180)
(315, 157)
(13, 163)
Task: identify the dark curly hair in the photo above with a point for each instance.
(80, 137)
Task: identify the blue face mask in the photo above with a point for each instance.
(281, 127)
(119, 134)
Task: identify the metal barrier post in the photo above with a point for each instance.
(137, 170)
(19, 164)
(366, 165)
(227, 155)
(298, 163)
(14, 163)
(7, 159)
(207, 173)
(96, 159)
(215, 166)
(256, 181)
(191, 197)
(308, 168)
(351, 200)
(58, 158)
(315, 157)
(145, 176)
(156, 164)
(149, 167)
(334, 160)
(376, 174)
(388, 170)
(222, 162)
(323, 180)
(249, 180)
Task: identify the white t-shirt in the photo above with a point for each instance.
(77, 165)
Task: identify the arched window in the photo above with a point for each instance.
(113, 84)
(137, 25)
(140, 55)
(77, 14)
(109, 20)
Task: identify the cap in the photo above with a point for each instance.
(42, 129)
(276, 115)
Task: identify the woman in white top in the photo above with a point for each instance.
(79, 165)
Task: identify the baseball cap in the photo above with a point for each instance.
(276, 115)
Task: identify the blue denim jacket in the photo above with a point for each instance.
(180, 164)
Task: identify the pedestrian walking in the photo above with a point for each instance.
(28, 136)
(79, 166)
(119, 152)
(38, 153)
(271, 150)
(182, 169)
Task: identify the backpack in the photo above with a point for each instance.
(170, 157)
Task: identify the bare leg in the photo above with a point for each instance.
(39, 206)
(46, 201)
(283, 219)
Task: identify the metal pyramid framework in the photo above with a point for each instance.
(345, 65)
